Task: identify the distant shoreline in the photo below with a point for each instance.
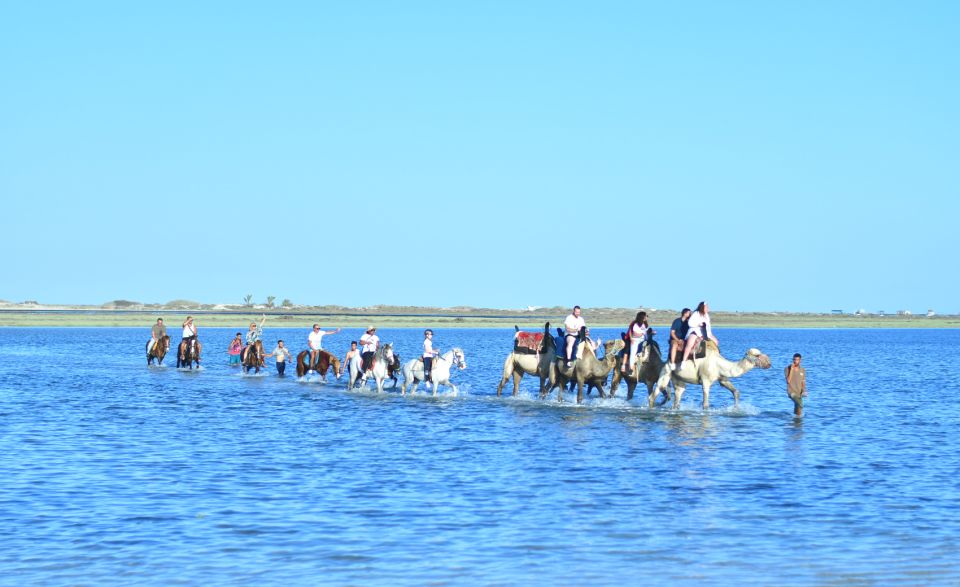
(408, 317)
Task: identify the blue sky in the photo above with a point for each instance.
(798, 156)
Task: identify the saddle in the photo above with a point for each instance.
(562, 348)
(527, 343)
(698, 353)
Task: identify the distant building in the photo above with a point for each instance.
(931, 314)
(904, 313)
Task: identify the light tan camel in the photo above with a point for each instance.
(540, 364)
(587, 368)
(706, 371)
(650, 363)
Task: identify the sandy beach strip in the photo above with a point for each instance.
(440, 318)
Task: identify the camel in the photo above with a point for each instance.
(587, 368)
(596, 380)
(711, 369)
(650, 364)
(539, 364)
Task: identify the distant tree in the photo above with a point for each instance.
(286, 303)
(248, 300)
(270, 301)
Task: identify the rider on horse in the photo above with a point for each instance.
(253, 335)
(157, 332)
(315, 343)
(369, 343)
(189, 332)
(428, 354)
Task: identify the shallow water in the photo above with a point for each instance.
(115, 473)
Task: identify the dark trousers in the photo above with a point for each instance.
(281, 367)
(427, 368)
(366, 361)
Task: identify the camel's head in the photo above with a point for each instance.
(759, 359)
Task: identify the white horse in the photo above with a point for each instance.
(381, 361)
(440, 373)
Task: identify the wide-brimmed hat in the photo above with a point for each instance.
(369, 328)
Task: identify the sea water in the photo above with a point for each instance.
(116, 473)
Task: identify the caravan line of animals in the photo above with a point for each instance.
(366, 359)
(570, 358)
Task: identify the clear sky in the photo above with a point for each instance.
(799, 156)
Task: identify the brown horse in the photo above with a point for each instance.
(253, 357)
(187, 355)
(394, 368)
(159, 350)
(324, 361)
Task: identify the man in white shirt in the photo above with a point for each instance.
(315, 342)
(572, 325)
(368, 346)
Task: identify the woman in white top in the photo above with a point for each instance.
(189, 329)
(637, 332)
(428, 354)
(189, 332)
(698, 328)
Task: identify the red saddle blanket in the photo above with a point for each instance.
(527, 342)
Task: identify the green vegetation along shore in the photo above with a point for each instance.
(29, 315)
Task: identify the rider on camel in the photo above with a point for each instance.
(637, 332)
(699, 329)
(572, 325)
(678, 332)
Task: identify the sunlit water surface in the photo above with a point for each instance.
(115, 473)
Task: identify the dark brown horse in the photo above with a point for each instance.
(324, 361)
(394, 368)
(189, 354)
(159, 350)
(253, 357)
